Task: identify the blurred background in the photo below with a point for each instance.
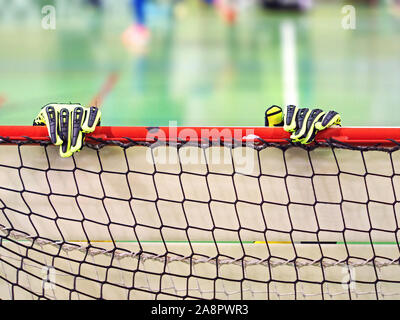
(200, 62)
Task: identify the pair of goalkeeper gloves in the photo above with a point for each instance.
(68, 124)
(303, 123)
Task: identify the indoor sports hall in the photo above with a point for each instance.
(228, 149)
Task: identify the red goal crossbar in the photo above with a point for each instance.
(350, 135)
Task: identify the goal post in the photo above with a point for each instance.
(200, 213)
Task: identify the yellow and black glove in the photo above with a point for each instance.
(68, 124)
(303, 123)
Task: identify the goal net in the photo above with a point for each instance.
(203, 213)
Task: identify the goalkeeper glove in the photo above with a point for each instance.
(68, 124)
(305, 123)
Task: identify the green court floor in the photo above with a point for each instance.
(199, 70)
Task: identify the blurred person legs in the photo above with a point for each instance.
(137, 36)
(297, 5)
(95, 3)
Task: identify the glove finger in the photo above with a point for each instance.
(301, 124)
(92, 118)
(79, 142)
(274, 116)
(39, 120)
(77, 119)
(51, 118)
(311, 130)
(290, 118)
(330, 119)
(65, 132)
